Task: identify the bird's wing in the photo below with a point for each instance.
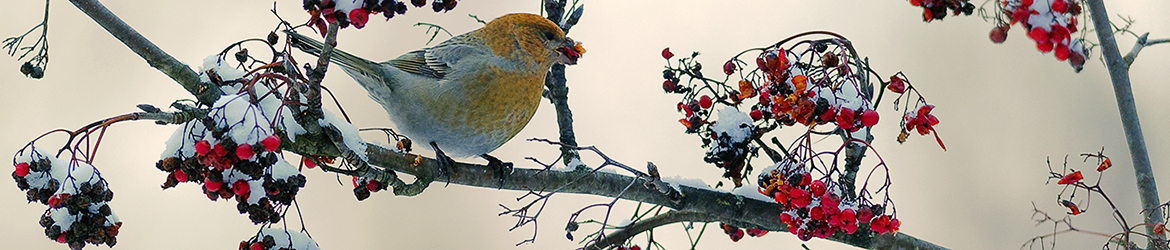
(436, 62)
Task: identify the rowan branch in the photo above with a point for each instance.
(156, 57)
(1123, 92)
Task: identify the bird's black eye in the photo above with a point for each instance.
(549, 35)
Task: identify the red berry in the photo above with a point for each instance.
(869, 118)
(1021, 14)
(1038, 34)
(916, 2)
(1061, 52)
(999, 34)
(817, 188)
(272, 143)
(219, 151)
(180, 175)
(22, 169)
(308, 163)
(241, 188)
(1026, 3)
(358, 17)
(61, 239)
(1059, 6)
(806, 179)
(705, 101)
(210, 185)
(729, 67)
(816, 213)
(666, 53)
(757, 115)
(1044, 47)
(355, 181)
(864, 214)
(244, 152)
(257, 246)
(202, 147)
(635, 247)
(845, 118)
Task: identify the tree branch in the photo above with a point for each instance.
(1142, 42)
(1119, 74)
(717, 206)
(157, 58)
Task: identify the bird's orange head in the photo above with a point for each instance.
(530, 38)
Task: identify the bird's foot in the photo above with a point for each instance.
(446, 164)
(502, 169)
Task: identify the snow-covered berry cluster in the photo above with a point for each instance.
(235, 152)
(937, 9)
(76, 194)
(357, 12)
(820, 207)
(363, 186)
(1050, 23)
(279, 239)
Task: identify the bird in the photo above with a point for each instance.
(468, 95)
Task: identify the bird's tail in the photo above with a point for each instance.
(348, 61)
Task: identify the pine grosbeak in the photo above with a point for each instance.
(469, 94)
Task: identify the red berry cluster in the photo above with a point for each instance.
(362, 186)
(77, 197)
(816, 208)
(228, 170)
(937, 9)
(356, 12)
(1050, 23)
(737, 234)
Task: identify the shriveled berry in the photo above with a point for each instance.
(729, 67)
(999, 34)
(666, 53)
(897, 85)
(374, 185)
(669, 86)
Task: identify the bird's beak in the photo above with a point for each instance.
(569, 52)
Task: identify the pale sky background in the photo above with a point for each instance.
(1004, 108)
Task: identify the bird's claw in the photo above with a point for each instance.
(446, 164)
(502, 169)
